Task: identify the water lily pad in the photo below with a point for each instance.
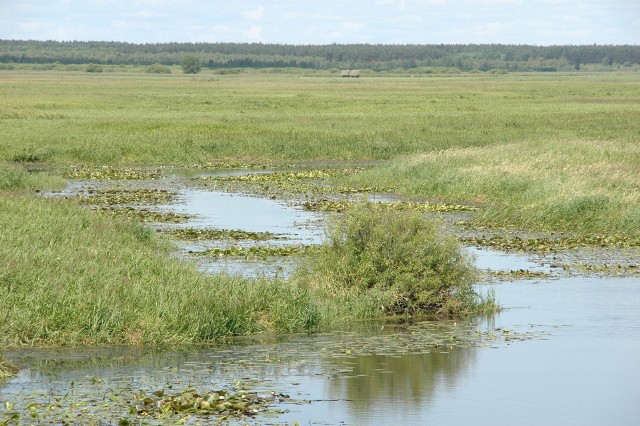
(257, 252)
(115, 196)
(196, 234)
(146, 215)
(340, 206)
(110, 172)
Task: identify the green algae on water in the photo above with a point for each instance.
(196, 234)
(114, 196)
(145, 215)
(111, 172)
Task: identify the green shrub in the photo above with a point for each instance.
(93, 68)
(157, 69)
(191, 64)
(400, 258)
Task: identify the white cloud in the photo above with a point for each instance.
(162, 2)
(255, 14)
(431, 2)
(221, 28)
(141, 14)
(412, 19)
(30, 26)
(254, 34)
(353, 26)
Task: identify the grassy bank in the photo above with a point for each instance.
(579, 186)
(72, 276)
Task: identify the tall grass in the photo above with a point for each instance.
(13, 177)
(6, 369)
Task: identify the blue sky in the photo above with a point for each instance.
(540, 22)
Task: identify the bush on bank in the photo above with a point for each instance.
(394, 262)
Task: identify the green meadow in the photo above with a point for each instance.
(542, 152)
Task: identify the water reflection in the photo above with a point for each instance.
(378, 383)
(580, 365)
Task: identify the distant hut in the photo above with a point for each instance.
(350, 73)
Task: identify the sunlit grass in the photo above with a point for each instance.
(569, 185)
(133, 118)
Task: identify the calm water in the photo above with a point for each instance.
(581, 368)
(577, 364)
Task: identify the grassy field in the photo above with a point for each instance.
(544, 152)
(554, 152)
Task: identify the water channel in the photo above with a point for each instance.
(565, 351)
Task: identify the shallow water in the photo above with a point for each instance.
(565, 351)
(223, 210)
(580, 366)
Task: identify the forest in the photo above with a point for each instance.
(376, 57)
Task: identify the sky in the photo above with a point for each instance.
(537, 22)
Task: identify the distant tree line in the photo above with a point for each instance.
(376, 57)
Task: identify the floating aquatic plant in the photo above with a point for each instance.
(219, 403)
(519, 273)
(232, 165)
(110, 172)
(146, 215)
(545, 245)
(341, 206)
(115, 196)
(196, 234)
(260, 252)
(284, 176)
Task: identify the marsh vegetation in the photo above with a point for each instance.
(555, 157)
(538, 152)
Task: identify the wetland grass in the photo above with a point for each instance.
(72, 276)
(17, 178)
(6, 369)
(578, 186)
(552, 151)
(548, 152)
